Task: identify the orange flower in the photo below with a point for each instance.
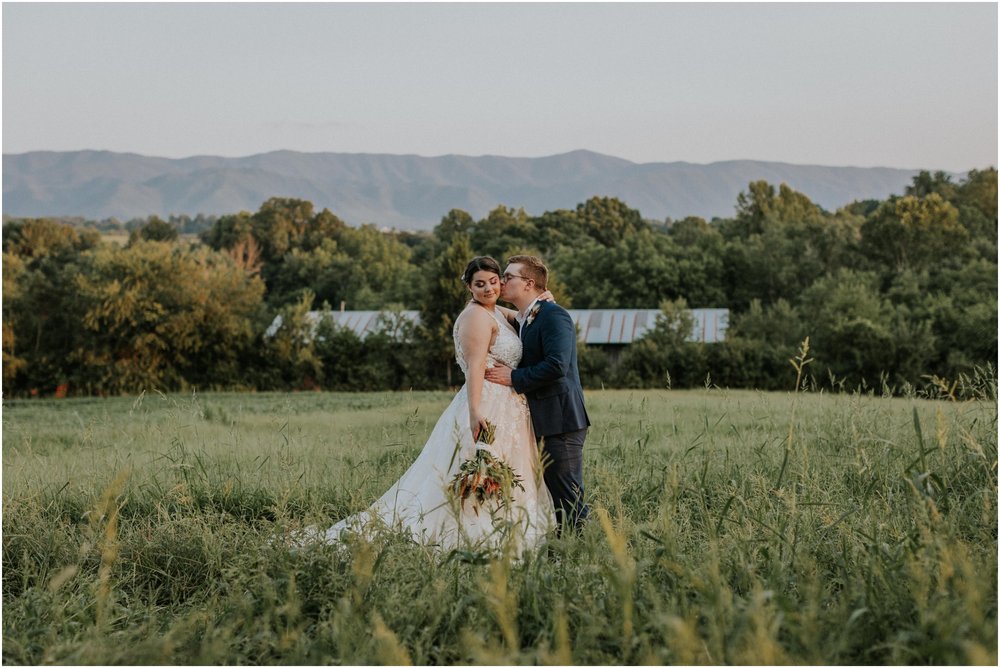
(486, 477)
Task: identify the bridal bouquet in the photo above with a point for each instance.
(484, 476)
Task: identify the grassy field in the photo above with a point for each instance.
(733, 527)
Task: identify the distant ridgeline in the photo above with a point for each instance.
(406, 192)
(598, 327)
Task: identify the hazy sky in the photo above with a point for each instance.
(898, 85)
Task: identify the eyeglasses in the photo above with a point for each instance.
(508, 276)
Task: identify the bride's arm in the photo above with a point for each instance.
(475, 332)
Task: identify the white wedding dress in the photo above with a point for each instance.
(420, 502)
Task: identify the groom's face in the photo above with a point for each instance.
(514, 283)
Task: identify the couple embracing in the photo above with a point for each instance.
(523, 388)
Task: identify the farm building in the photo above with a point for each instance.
(597, 327)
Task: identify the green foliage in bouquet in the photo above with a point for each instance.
(485, 477)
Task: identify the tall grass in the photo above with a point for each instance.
(729, 527)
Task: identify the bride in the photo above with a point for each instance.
(421, 502)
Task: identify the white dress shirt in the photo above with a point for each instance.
(520, 317)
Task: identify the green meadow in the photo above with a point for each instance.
(730, 527)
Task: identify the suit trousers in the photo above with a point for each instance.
(562, 459)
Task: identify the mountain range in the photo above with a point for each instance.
(407, 191)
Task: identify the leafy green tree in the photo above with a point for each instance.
(912, 326)
(154, 229)
(444, 297)
(297, 250)
(364, 268)
(780, 242)
(914, 232)
(325, 272)
(42, 323)
(280, 224)
(556, 229)
(592, 274)
(850, 327)
(753, 208)
(341, 354)
(290, 359)
(741, 362)
(979, 191)
(13, 272)
(699, 256)
(758, 345)
(501, 232)
(422, 245)
(455, 223)
(387, 358)
(40, 306)
(34, 239)
(321, 227)
(926, 183)
(862, 208)
(185, 224)
(964, 316)
(596, 369)
(640, 272)
(381, 264)
(778, 325)
(976, 200)
(157, 317)
(608, 220)
(230, 230)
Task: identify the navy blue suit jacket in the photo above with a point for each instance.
(548, 375)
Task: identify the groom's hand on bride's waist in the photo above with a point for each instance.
(499, 374)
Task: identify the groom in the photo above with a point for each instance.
(549, 378)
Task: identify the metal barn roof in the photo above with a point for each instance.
(625, 325)
(597, 326)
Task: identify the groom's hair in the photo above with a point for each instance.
(534, 269)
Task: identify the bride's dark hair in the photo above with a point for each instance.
(481, 263)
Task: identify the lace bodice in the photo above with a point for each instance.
(506, 349)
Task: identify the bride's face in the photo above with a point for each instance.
(485, 287)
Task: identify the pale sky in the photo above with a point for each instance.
(894, 85)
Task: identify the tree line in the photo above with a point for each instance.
(897, 295)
